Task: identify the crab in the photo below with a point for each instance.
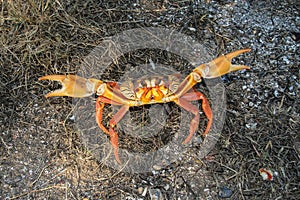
(148, 90)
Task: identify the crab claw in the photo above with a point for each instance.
(72, 85)
(221, 65)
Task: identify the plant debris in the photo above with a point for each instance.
(42, 152)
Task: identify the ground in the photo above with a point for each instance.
(42, 153)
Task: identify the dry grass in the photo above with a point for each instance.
(42, 153)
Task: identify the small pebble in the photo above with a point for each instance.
(191, 29)
(155, 194)
(140, 190)
(156, 167)
(167, 187)
(224, 192)
(72, 118)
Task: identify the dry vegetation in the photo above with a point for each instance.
(42, 153)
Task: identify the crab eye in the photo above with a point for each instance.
(101, 89)
(196, 77)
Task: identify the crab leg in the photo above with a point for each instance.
(73, 86)
(184, 102)
(116, 118)
(195, 121)
(195, 96)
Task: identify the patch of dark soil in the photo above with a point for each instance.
(43, 155)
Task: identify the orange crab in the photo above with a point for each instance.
(147, 91)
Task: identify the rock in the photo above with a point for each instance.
(224, 192)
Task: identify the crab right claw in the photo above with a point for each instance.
(221, 65)
(73, 86)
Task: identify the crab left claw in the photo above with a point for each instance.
(73, 86)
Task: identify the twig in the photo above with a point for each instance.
(39, 190)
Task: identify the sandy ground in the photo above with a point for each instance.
(43, 155)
